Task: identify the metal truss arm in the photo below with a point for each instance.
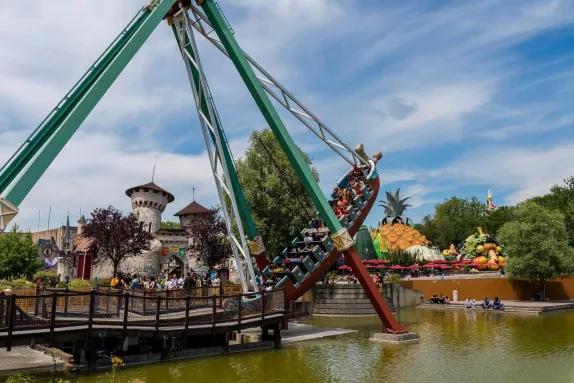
(19, 175)
(291, 150)
(214, 142)
(204, 26)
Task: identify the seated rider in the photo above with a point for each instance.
(434, 299)
(497, 304)
(486, 304)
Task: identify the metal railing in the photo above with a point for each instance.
(142, 310)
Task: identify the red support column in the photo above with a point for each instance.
(390, 324)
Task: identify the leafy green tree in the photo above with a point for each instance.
(561, 198)
(495, 219)
(170, 225)
(453, 221)
(278, 201)
(18, 255)
(537, 245)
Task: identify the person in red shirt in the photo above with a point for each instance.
(342, 204)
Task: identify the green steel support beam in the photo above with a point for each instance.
(36, 155)
(244, 211)
(237, 56)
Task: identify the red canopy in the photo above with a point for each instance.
(344, 267)
(383, 261)
(370, 267)
(397, 267)
(382, 267)
(440, 261)
(414, 267)
(445, 267)
(373, 261)
(430, 266)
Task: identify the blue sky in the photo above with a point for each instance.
(461, 98)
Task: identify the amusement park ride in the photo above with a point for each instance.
(19, 175)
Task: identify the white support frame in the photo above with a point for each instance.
(282, 95)
(183, 27)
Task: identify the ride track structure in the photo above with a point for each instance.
(19, 175)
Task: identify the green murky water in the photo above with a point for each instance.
(456, 346)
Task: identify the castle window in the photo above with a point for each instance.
(146, 190)
(155, 192)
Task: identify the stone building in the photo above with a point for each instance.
(169, 250)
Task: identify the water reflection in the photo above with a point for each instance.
(457, 346)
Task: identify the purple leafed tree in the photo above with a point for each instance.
(210, 240)
(115, 237)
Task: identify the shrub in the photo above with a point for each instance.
(80, 284)
(22, 284)
(104, 282)
(44, 275)
(5, 285)
(395, 277)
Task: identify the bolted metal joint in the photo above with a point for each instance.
(7, 213)
(256, 247)
(342, 240)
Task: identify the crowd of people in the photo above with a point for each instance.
(189, 280)
(344, 196)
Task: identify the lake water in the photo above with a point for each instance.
(456, 346)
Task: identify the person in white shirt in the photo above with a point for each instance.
(180, 282)
(216, 282)
(468, 303)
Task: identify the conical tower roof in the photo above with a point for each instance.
(151, 186)
(193, 208)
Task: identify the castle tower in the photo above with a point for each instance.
(81, 223)
(148, 202)
(187, 214)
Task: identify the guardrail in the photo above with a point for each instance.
(149, 310)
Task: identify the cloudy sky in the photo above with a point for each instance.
(461, 97)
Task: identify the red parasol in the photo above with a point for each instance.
(370, 267)
(344, 267)
(413, 267)
(396, 267)
(440, 261)
(430, 266)
(382, 267)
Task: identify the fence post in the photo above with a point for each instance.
(126, 310)
(144, 302)
(157, 308)
(186, 316)
(214, 304)
(53, 317)
(36, 309)
(262, 306)
(11, 318)
(91, 313)
(239, 313)
(66, 302)
(166, 301)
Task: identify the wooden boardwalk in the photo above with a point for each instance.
(126, 315)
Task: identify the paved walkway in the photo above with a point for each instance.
(299, 332)
(533, 307)
(24, 358)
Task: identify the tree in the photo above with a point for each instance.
(495, 219)
(170, 225)
(210, 241)
(537, 245)
(453, 221)
(115, 237)
(278, 201)
(18, 255)
(561, 198)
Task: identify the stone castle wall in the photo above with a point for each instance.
(148, 206)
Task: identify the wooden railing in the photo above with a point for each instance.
(146, 310)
